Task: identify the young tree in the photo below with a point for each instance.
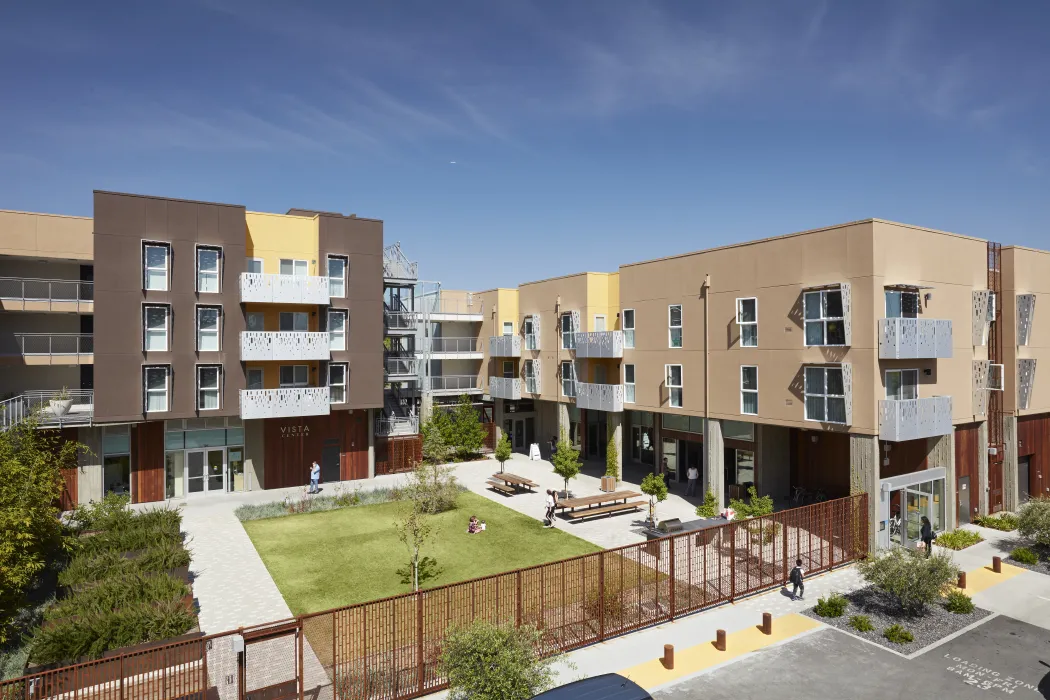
(654, 486)
(1033, 520)
(566, 460)
(503, 450)
(709, 508)
(612, 459)
(436, 448)
(467, 428)
(486, 662)
(414, 529)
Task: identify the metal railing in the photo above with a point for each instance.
(454, 345)
(284, 345)
(283, 289)
(456, 306)
(286, 402)
(505, 387)
(600, 397)
(401, 366)
(455, 382)
(63, 291)
(396, 264)
(401, 320)
(914, 338)
(599, 344)
(49, 410)
(397, 425)
(505, 346)
(914, 419)
(56, 343)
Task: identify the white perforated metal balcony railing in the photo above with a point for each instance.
(49, 410)
(505, 388)
(599, 344)
(284, 345)
(454, 346)
(286, 402)
(44, 344)
(283, 289)
(914, 338)
(915, 419)
(44, 294)
(455, 383)
(505, 346)
(600, 397)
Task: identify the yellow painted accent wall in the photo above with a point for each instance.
(603, 298)
(275, 236)
(506, 309)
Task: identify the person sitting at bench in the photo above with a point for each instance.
(474, 526)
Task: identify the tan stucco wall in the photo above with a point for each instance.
(1027, 271)
(46, 235)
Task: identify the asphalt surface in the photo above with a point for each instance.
(1001, 657)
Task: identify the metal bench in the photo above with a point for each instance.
(604, 510)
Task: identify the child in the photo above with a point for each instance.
(797, 579)
(473, 527)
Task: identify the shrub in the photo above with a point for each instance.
(768, 531)
(959, 603)
(611, 602)
(612, 459)
(958, 539)
(433, 487)
(112, 511)
(1024, 555)
(709, 508)
(756, 507)
(910, 577)
(861, 623)
(86, 568)
(1004, 521)
(341, 498)
(834, 605)
(898, 635)
(118, 592)
(1033, 520)
(486, 662)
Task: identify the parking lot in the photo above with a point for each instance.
(1001, 656)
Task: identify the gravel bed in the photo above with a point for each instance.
(932, 627)
(1043, 567)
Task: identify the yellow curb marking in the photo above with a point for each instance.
(984, 578)
(694, 659)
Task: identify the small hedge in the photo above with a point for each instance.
(1006, 522)
(116, 593)
(1024, 555)
(834, 605)
(959, 603)
(87, 568)
(861, 623)
(898, 635)
(958, 539)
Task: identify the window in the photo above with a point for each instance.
(337, 276)
(298, 268)
(628, 383)
(256, 321)
(530, 377)
(824, 317)
(156, 379)
(337, 329)
(568, 341)
(825, 395)
(208, 260)
(674, 322)
(508, 369)
(673, 380)
(747, 319)
(207, 328)
(155, 319)
(255, 266)
(628, 328)
(599, 323)
(508, 328)
(749, 390)
(901, 304)
(156, 256)
(294, 375)
(116, 460)
(902, 384)
(209, 379)
(568, 379)
(745, 468)
(530, 334)
(337, 382)
(294, 321)
(255, 378)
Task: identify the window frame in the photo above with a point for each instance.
(218, 268)
(166, 247)
(294, 384)
(344, 278)
(146, 329)
(345, 313)
(672, 387)
(217, 389)
(900, 293)
(294, 315)
(823, 319)
(344, 385)
(528, 369)
(146, 391)
(571, 379)
(508, 369)
(508, 328)
(632, 384)
(568, 339)
(741, 324)
(671, 328)
(218, 326)
(900, 383)
(294, 261)
(528, 326)
(262, 265)
(248, 381)
(605, 323)
(628, 331)
(744, 391)
(825, 396)
(248, 315)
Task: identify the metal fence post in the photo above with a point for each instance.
(732, 562)
(601, 596)
(419, 640)
(673, 578)
(517, 614)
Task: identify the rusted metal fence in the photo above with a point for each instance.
(389, 649)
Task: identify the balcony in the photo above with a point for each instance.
(455, 384)
(406, 367)
(284, 345)
(56, 348)
(64, 296)
(914, 338)
(407, 425)
(80, 411)
(505, 346)
(505, 388)
(455, 309)
(599, 344)
(600, 397)
(397, 266)
(257, 287)
(400, 321)
(915, 419)
(287, 402)
(455, 349)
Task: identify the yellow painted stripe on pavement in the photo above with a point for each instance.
(984, 578)
(695, 659)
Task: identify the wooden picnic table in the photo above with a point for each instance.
(597, 500)
(509, 483)
(601, 504)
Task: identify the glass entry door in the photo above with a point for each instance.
(205, 470)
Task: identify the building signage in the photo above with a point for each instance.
(295, 430)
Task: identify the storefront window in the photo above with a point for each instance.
(670, 457)
(685, 424)
(174, 475)
(205, 438)
(235, 467)
(116, 474)
(745, 467)
(738, 430)
(937, 510)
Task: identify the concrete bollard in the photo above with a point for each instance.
(668, 660)
(767, 623)
(962, 580)
(997, 565)
(720, 640)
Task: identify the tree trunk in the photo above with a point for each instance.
(415, 570)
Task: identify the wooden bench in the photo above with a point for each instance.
(514, 480)
(603, 510)
(500, 486)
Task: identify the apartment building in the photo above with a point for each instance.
(871, 356)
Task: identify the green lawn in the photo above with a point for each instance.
(340, 557)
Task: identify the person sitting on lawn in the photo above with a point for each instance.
(474, 526)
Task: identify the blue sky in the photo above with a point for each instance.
(504, 142)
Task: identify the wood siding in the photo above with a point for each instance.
(292, 444)
(398, 454)
(905, 457)
(823, 464)
(1033, 441)
(147, 462)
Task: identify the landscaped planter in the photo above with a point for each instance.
(608, 484)
(107, 669)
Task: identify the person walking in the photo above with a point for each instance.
(548, 520)
(693, 474)
(315, 477)
(797, 578)
(926, 534)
